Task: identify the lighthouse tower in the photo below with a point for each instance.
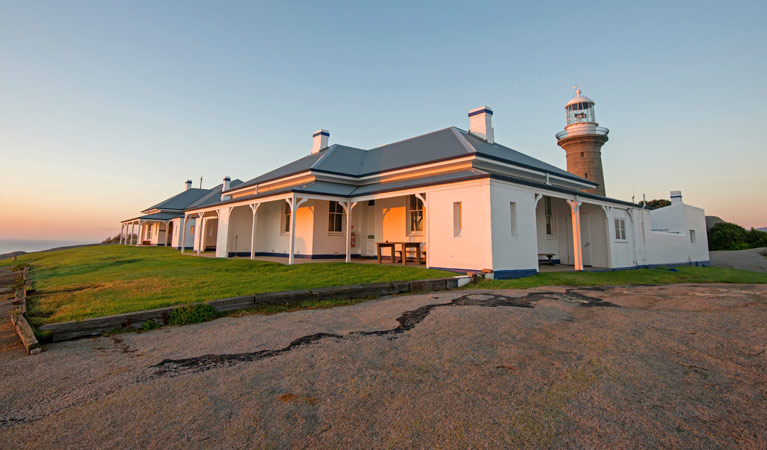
(582, 139)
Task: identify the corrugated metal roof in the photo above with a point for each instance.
(440, 145)
(499, 152)
(214, 195)
(431, 147)
(180, 201)
(460, 175)
(162, 216)
(297, 166)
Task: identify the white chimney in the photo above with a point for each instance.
(481, 123)
(676, 197)
(320, 140)
(188, 185)
(225, 187)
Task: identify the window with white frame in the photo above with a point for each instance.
(335, 218)
(620, 229)
(692, 237)
(285, 218)
(513, 217)
(550, 231)
(457, 218)
(415, 215)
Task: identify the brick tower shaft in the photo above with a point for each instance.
(584, 159)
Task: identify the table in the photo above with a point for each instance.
(404, 246)
(549, 257)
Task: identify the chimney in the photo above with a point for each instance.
(320, 140)
(225, 187)
(188, 185)
(481, 123)
(676, 197)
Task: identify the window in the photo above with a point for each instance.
(581, 154)
(692, 237)
(415, 212)
(587, 176)
(549, 219)
(513, 217)
(457, 219)
(285, 218)
(335, 218)
(620, 229)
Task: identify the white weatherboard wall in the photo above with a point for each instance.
(472, 249)
(513, 252)
(327, 243)
(270, 237)
(222, 233)
(176, 233)
(240, 230)
(189, 235)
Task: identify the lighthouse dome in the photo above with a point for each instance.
(579, 99)
(580, 109)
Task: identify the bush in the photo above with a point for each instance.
(756, 238)
(150, 325)
(658, 203)
(187, 314)
(728, 236)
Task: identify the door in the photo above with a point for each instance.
(169, 235)
(370, 230)
(586, 239)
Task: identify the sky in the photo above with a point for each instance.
(106, 108)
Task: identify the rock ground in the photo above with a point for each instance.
(620, 367)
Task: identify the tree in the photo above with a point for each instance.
(728, 236)
(658, 203)
(756, 238)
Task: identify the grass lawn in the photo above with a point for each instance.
(638, 276)
(84, 282)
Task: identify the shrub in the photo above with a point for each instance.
(727, 236)
(187, 314)
(756, 238)
(150, 325)
(658, 203)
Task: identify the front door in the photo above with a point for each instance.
(586, 239)
(370, 230)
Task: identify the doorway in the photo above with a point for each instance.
(586, 239)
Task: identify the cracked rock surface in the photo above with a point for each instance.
(642, 366)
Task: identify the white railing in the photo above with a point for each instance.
(599, 131)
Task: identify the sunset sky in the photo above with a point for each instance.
(106, 109)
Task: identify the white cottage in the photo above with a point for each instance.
(159, 225)
(454, 199)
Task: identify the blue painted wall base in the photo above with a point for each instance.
(285, 255)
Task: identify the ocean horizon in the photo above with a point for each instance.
(35, 245)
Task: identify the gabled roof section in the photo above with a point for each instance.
(160, 216)
(297, 166)
(213, 195)
(502, 153)
(431, 147)
(341, 160)
(180, 201)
